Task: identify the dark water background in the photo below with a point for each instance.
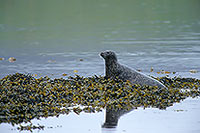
(49, 37)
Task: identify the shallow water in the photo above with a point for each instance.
(181, 118)
(56, 37)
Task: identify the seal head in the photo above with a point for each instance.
(109, 55)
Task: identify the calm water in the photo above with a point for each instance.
(50, 37)
(160, 34)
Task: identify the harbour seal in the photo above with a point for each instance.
(114, 69)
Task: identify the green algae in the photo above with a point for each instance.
(23, 97)
(30, 127)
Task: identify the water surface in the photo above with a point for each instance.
(54, 37)
(160, 34)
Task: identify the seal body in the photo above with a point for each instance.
(114, 69)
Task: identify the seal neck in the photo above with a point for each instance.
(111, 65)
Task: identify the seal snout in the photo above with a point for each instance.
(101, 54)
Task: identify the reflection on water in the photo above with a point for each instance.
(112, 116)
(164, 35)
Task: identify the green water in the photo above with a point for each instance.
(164, 34)
(90, 25)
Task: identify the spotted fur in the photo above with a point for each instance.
(114, 69)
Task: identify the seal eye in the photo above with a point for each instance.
(108, 53)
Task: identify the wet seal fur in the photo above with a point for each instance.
(114, 69)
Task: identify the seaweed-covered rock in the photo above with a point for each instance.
(23, 97)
